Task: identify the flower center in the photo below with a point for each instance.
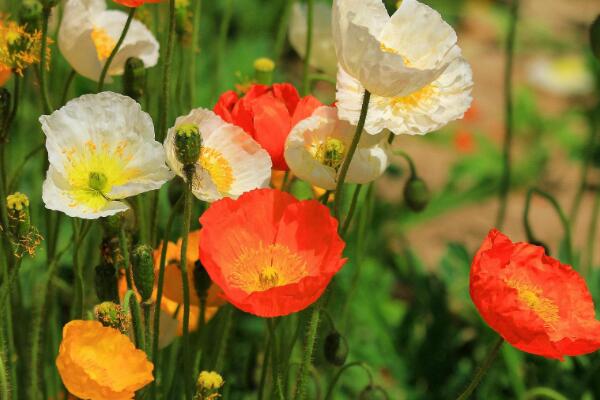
(218, 168)
(103, 42)
(97, 181)
(330, 153)
(532, 297)
(265, 267)
(414, 99)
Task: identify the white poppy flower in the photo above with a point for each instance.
(444, 100)
(89, 33)
(231, 162)
(392, 56)
(102, 150)
(564, 76)
(317, 146)
(323, 49)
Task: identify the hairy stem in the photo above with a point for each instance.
(482, 370)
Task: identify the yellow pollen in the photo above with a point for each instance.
(218, 168)
(104, 43)
(264, 64)
(330, 152)
(17, 201)
(413, 99)
(265, 267)
(532, 297)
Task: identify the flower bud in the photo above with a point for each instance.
(595, 37)
(336, 349)
(105, 280)
(208, 385)
(263, 70)
(143, 271)
(416, 194)
(19, 221)
(202, 280)
(134, 78)
(187, 144)
(112, 315)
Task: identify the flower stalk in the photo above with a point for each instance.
(310, 17)
(115, 50)
(482, 370)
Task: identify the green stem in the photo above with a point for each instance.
(585, 169)
(482, 370)
(265, 367)
(187, 216)
(224, 339)
(4, 385)
(561, 214)
(147, 307)
(78, 309)
(16, 95)
(543, 392)
(222, 44)
(165, 100)
(409, 160)
(195, 52)
(591, 235)
(352, 210)
(136, 321)
(43, 59)
(509, 114)
(116, 49)
(278, 385)
(70, 79)
(310, 17)
(309, 347)
(282, 30)
(344, 169)
(341, 371)
(19, 170)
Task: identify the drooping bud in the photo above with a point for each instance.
(105, 280)
(134, 78)
(208, 385)
(19, 220)
(188, 143)
(112, 315)
(143, 271)
(263, 70)
(595, 37)
(416, 194)
(202, 281)
(4, 106)
(336, 349)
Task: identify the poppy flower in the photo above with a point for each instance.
(271, 254)
(534, 302)
(268, 114)
(135, 3)
(100, 363)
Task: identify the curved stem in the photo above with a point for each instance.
(309, 346)
(509, 114)
(187, 216)
(563, 219)
(338, 375)
(310, 16)
(165, 100)
(43, 59)
(19, 170)
(481, 371)
(346, 165)
(352, 210)
(70, 79)
(283, 30)
(409, 160)
(115, 50)
(543, 392)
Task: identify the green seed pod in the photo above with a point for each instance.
(188, 143)
(263, 70)
(416, 194)
(134, 78)
(105, 280)
(595, 37)
(112, 315)
(202, 280)
(336, 349)
(143, 270)
(19, 220)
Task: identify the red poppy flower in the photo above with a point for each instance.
(537, 304)
(267, 113)
(135, 3)
(270, 253)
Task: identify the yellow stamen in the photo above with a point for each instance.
(103, 42)
(330, 152)
(413, 99)
(533, 297)
(218, 168)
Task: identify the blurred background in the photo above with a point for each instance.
(410, 318)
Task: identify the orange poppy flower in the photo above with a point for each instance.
(537, 304)
(268, 114)
(135, 3)
(271, 254)
(101, 363)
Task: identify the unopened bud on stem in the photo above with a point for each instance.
(134, 78)
(263, 70)
(143, 271)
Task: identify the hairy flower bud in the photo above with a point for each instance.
(263, 70)
(188, 143)
(134, 78)
(143, 271)
(105, 281)
(336, 349)
(416, 194)
(112, 315)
